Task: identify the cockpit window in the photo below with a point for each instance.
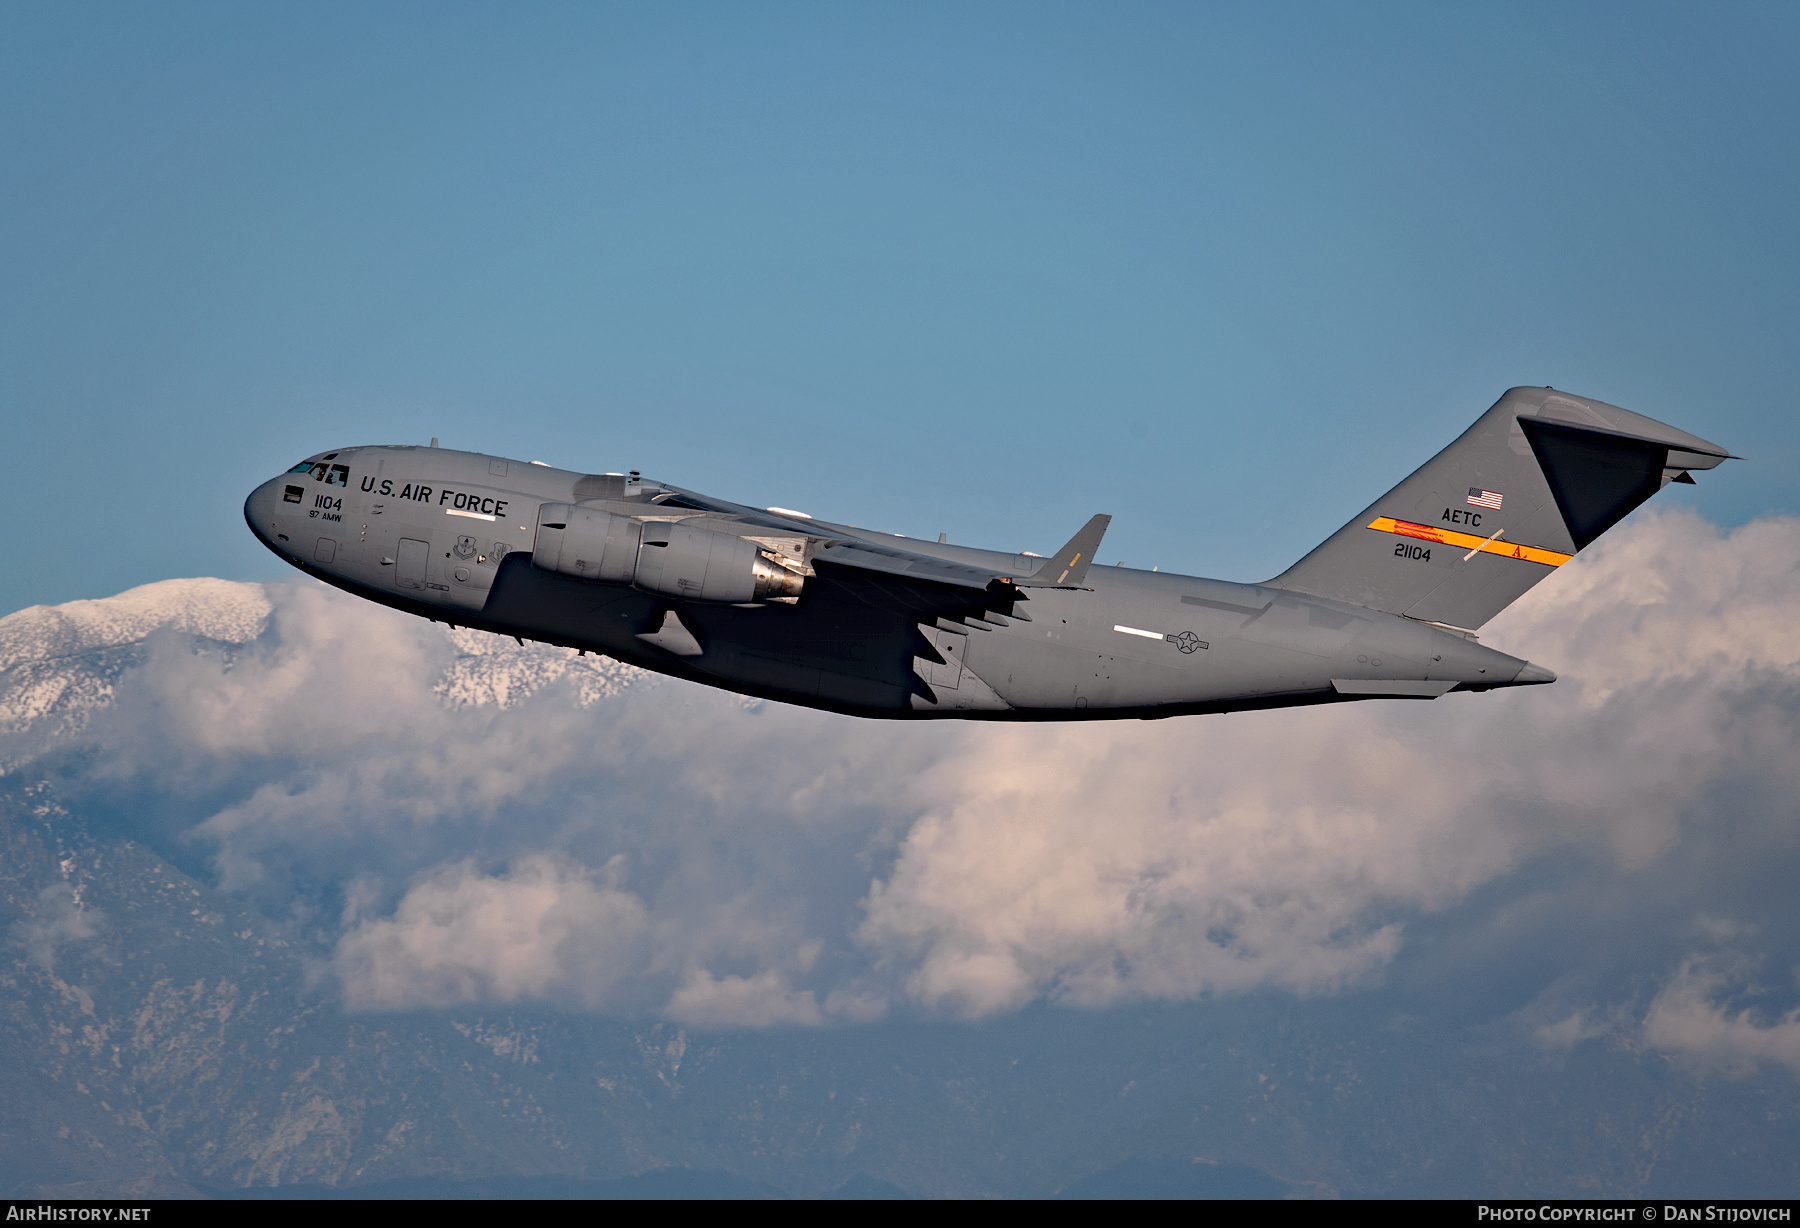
(331, 475)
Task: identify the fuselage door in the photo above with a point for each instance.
(409, 569)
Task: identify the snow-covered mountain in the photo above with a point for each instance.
(60, 664)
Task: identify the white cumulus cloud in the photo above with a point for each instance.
(543, 929)
(761, 1000)
(1688, 1019)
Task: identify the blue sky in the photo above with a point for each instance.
(1224, 272)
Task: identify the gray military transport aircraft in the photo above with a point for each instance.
(774, 603)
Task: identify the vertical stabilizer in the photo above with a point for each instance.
(1537, 478)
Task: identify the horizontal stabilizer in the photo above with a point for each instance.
(1068, 567)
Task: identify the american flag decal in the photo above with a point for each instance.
(1485, 498)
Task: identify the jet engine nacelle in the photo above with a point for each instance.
(587, 543)
(659, 556)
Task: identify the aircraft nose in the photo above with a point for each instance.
(260, 509)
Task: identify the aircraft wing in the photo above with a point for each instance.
(905, 583)
(893, 578)
(904, 564)
(888, 576)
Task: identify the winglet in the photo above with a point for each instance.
(1068, 567)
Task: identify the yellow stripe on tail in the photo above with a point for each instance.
(1468, 541)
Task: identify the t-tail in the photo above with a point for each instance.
(1537, 478)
